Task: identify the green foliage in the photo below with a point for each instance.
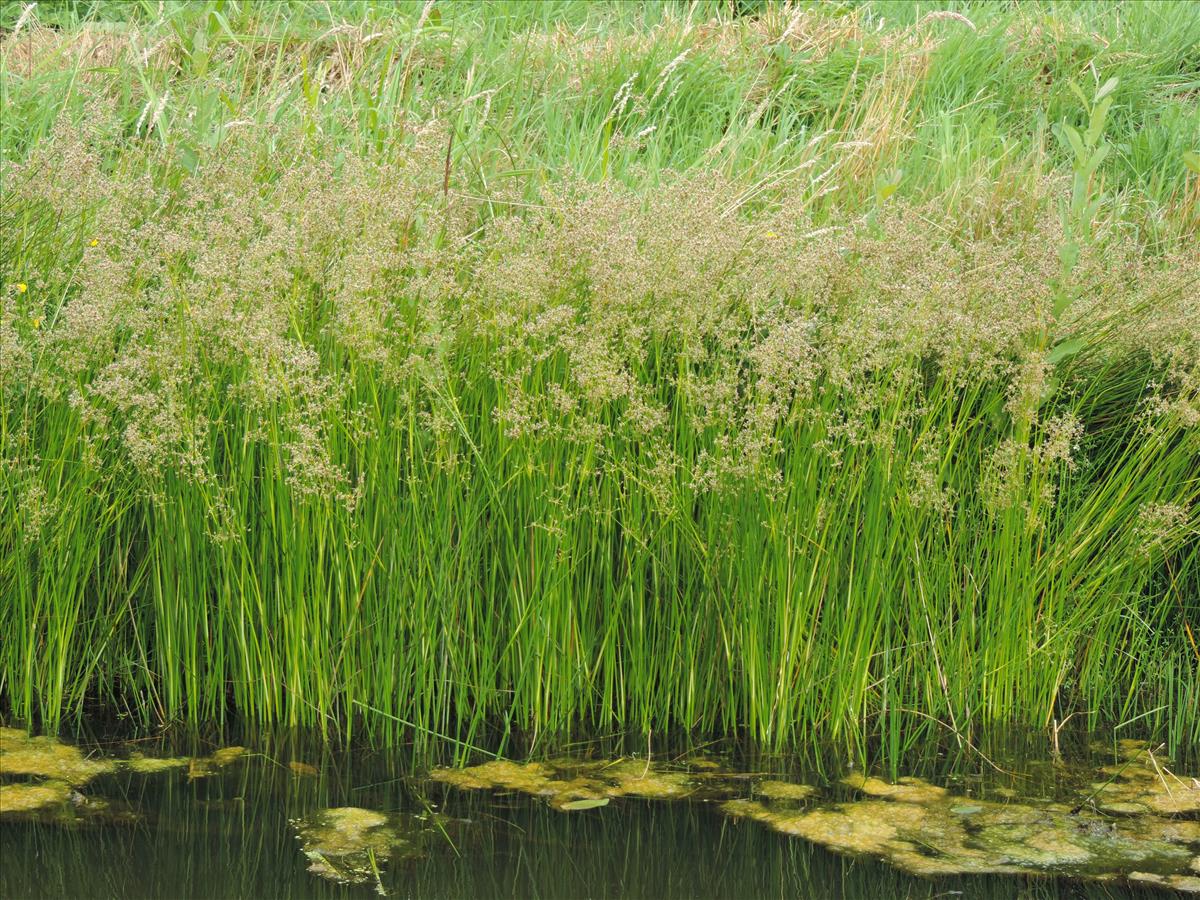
(572, 366)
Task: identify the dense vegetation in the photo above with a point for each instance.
(820, 373)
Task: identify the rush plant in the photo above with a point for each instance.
(544, 369)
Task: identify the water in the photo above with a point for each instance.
(234, 831)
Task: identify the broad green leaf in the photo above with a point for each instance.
(188, 158)
(1074, 140)
(1064, 350)
(1062, 302)
(1097, 158)
(1191, 159)
(1107, 88)
(1096, 122)
(1068, 255)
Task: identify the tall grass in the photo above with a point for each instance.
(822, 374)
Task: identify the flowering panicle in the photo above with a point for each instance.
(697, 316)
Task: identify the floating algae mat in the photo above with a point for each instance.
(572, 784)
(46, 777)
(295, 818)
(1142, 823)
(927, 830)
(351, 845)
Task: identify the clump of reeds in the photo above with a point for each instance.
(339, 442)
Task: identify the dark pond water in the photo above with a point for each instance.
(237, 830)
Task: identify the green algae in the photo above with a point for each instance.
(701, 763)
(206, 766)
(566, 783)
(350, 845)
(1147, 781)
(226, 755)
(1122, 808)
(22, 754)
(922, 828)
(41, 776)
(58, 803)
(569, 795)
(47, 757)
(633, 778)
(25, 798)
(530, 778)
(150, 765)
(56, 770)
(1186, 884)
(935, 839)
(912, 790)
(784, 790)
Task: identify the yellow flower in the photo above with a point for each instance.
(37, 322)
(22, 287)
(772, 235)
(93, 242)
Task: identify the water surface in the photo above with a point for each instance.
(238, 830)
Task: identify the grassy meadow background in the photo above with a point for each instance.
(816, 373)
